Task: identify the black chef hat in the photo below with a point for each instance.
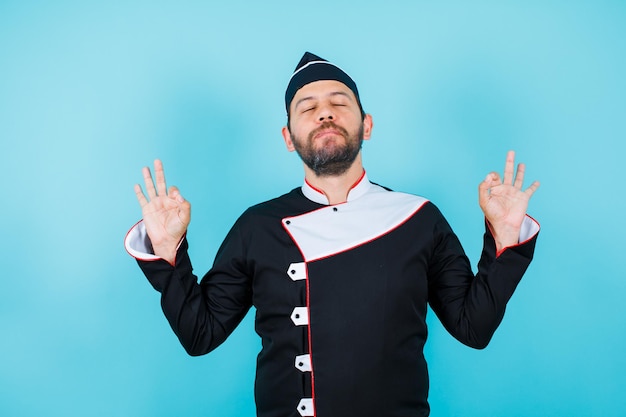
(312, 68)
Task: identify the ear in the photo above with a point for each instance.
(368, 125)
(287, 139)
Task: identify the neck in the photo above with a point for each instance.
(336, 187)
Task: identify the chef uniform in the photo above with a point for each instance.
(340, 293)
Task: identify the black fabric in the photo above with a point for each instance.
(323, 70)
(367, 308)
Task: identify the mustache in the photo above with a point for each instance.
(328, 125)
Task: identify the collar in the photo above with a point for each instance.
(359, 188)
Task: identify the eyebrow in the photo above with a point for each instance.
(334, 93)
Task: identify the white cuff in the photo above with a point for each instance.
(529, 229)
(137, 243)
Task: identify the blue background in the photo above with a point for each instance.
(91, 92)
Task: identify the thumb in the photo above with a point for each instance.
(483, 188)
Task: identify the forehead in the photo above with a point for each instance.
(321, 89)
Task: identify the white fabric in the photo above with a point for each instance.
(300, 316)
(530, 228)
(334, 229)
(305, 407)
(303, 363)
(297, 271)
(137, 243)
(360, 189)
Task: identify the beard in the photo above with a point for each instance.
(331, 158)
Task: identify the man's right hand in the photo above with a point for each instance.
(166, 214)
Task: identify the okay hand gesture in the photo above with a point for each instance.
(166, 214)
(504, 202)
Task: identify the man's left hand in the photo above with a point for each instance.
(504, 203)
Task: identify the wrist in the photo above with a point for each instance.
(167, 251)
(504, 236)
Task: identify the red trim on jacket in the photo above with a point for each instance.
(308, 310)
(501, 251)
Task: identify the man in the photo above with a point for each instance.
(340, 270)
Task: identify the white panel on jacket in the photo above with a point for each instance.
(334, 229)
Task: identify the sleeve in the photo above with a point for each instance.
(471, 307)
(203, 314)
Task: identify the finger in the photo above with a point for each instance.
(147, 179)
(532, 188)
(184, 213)
(492, 179)
(519, 176)
(175, 194)
(509, 167)
(184, 208)
(140, 196)
(160, 177)
(483, 191)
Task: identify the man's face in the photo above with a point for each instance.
(326, 127)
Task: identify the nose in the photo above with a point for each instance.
(325, 113)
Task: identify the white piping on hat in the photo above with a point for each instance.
(315, 62)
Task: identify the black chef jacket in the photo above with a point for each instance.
(341, 295)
